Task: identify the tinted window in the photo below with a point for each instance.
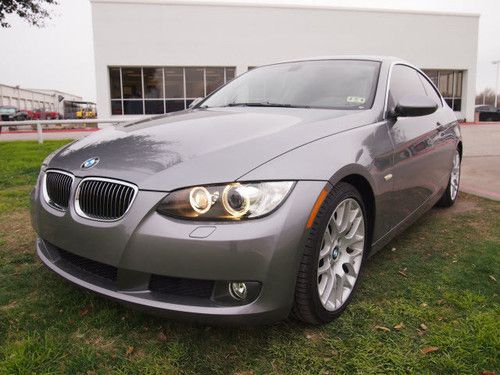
(132, 83)
(153, 83)
(115, 83)
(431, 92)
(404, 81)
(336, 84)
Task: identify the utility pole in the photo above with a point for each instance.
(497, 63)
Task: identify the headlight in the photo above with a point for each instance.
(234, 201)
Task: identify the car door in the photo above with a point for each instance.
(417, 168)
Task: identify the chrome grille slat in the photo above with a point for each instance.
(104, 199)
(57, 188)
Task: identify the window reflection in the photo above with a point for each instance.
(133, 107)
(116, 107)
(153, 107)
(174, 105)
(195, 82)
(156, 90)
(132, 83)
(153, 82)
(174, 83)
(215, 78)
(449, 83)
(115, 83)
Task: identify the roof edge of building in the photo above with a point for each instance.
(287, 6)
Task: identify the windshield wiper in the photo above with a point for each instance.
(266, 104)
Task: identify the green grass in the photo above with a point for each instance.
(440, 273)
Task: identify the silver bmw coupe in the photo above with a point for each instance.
(262, 200)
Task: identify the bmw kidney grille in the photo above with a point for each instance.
(104, 199)
(57, 189)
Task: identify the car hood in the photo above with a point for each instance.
(201, 146)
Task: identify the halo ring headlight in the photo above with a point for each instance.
(200, 199)
(235, 201)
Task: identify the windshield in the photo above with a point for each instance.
(334, 84)
(7, 110)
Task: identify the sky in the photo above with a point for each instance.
(60, 56)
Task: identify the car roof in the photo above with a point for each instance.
(378, 58)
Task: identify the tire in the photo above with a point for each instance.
(450, 195)
(312, 278)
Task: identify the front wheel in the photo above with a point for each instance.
(451, 193)
(333, 257)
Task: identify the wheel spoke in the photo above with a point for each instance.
(325, 296)
(325, 267)
(341, 250)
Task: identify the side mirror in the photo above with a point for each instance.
(413, 106)
(194, 102)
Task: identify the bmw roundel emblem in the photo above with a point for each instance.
(89, 163)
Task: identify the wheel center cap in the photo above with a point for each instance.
(335, 253)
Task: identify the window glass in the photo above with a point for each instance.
(195, 82)
(153, 107)
(116, 107)
(174, 105)
(215, 78)
(431, 92)
(133, 107)
(132, 83)
(342, 84)
(404, 81)
(230, 74)
(114, 83)
(160, 89)
(153, 82)
(446, 83)
(458, 84)
(174, 82)
(433, 75)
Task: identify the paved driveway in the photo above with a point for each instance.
(481, 160)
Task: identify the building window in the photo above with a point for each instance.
(449, 83)
(157, 90)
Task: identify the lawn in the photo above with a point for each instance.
(428, 303)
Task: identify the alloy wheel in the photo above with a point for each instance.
(341, 254)
(455, 176)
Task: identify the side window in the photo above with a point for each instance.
(430, 90)
(404, 81)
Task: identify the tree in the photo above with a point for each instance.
(32, 11)
(487, 96)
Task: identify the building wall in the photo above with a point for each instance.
(33, 99)
(169, 33)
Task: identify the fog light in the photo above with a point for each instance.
(238, 290)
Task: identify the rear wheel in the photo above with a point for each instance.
(451, 193)
(333, 257)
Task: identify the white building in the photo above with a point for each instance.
(156, 56)
(33, 99)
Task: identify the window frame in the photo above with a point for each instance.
(185, 99)
(389, 77)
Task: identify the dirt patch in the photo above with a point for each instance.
(464, 204)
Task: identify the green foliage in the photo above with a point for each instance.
(438, 279)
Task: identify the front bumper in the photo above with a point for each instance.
(124, 257)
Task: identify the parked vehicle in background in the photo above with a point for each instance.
(24, 114)
(7, 113)
(487, 113)
(50, 115)
(84, 113)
